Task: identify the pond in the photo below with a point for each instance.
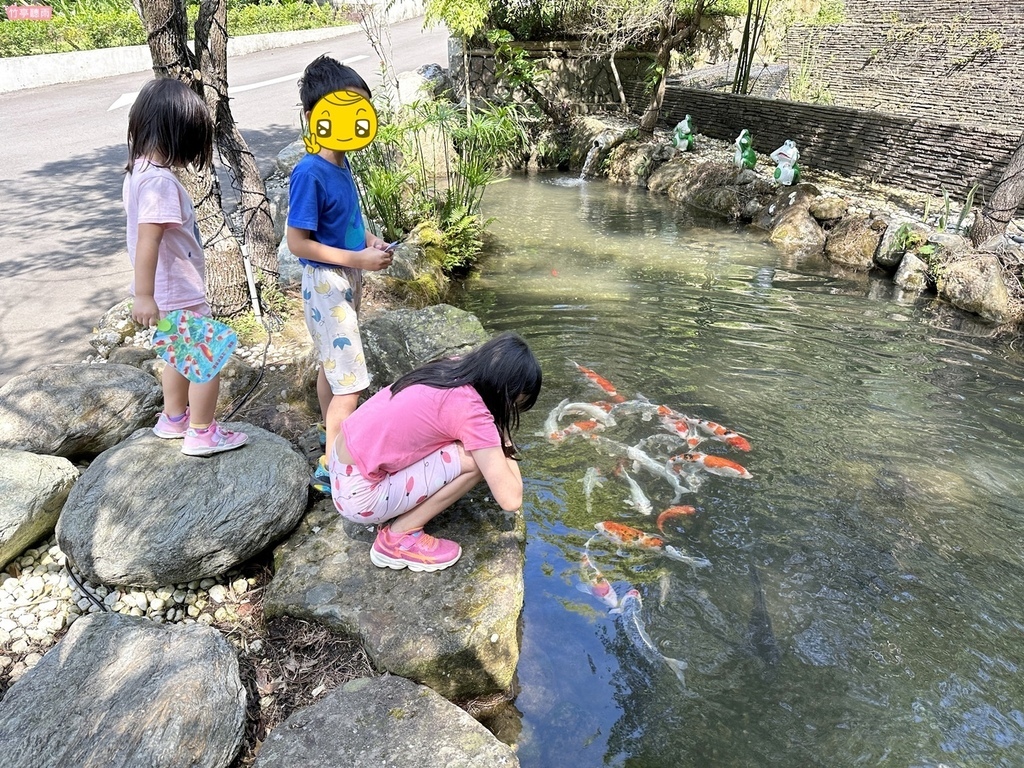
(863, 604)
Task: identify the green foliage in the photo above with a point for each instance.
(464, 18)
(805, 83)
(541, 19)
(906, 239)
(427, 164)
(830, 12)
(82, 25)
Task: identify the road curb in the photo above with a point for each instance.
(21, 72)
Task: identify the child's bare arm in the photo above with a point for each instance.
(301, 243)
(144, 309)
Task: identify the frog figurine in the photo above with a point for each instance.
(682, 136)
(787, 172)
(745, 156)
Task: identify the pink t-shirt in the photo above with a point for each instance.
(386, 434)
(152, 195)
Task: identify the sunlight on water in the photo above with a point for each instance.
(864, 605)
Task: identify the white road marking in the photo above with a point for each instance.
(127, 99)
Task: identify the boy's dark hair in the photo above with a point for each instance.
(501, 370)
(325, 75)
(170, 119)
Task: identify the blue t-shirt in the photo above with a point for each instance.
(322, 198)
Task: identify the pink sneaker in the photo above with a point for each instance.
(416, 550)
(211, 440)
(171, 429)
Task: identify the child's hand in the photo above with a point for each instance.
(145, 312)
(375, 259)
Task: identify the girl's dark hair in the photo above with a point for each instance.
(170, 119)
(501, 370)
(325, 75)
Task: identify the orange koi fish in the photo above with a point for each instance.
(668, 514)
(602, 382)
(715, 465)
(627, 536)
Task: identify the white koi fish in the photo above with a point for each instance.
(694, 562)
(592, 479)
(632, 625)
(551, 422)
(637, 498)
(641, 459)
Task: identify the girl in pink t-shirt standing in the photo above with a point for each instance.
(416, 447)
(169, 126)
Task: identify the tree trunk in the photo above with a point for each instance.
(653, 112)
(166, 26)
(256, 222)
(1005, 200)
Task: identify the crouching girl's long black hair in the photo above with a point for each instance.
(503, 371)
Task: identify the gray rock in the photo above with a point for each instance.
(454, 630)
(277, 195)
(901, 233)
(133, 356)
(976, 285)
(384, 721)
(828, 208)
(115, 325)
(76, 410)
(912, 274)
(289, 157)
(631, 163)
(792, 229)
(144, 514)
(952, 245)
(33, 489)
(396, 342)
(288, 265)
(853, 243)
(122, 692)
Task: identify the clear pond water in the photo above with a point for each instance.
(865, 604)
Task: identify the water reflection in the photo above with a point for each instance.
(864, 604)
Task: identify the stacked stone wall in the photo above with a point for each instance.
(912, 153)
(956, 61)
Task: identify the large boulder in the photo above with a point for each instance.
(632, 162)
(33, 489)
(124, 692)
(373, 722)
(396, 342)
(144, 514)
(791, 226)
(853, 242)
(976, 285)
(454, 630)
(912, 275)
(76, 410)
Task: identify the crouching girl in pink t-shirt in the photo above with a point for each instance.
(416, 447)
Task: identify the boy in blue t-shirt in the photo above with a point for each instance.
(326, 234)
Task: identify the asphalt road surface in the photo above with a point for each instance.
(62, 253)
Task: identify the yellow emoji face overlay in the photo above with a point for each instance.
(343, 121)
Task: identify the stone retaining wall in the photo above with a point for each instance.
(953, 61)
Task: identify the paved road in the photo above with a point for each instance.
(62, 259)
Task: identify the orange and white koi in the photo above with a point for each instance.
(715, 465)
(576, 428)
(593, 582)
(668, 514)
(601, 382)
(722, 434)
(627, 536)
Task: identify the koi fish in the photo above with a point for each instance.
(722, 434)
(592, 479)
(633, 626)
(576, 428)
(671, 512)
(601, 382)
(592, 582)
(551, 422)
(627, 536)
(641, 459)
(715, 465)
(682, 428)
(639, 406)
(674, 553)
(637, 498)
(591, 410)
